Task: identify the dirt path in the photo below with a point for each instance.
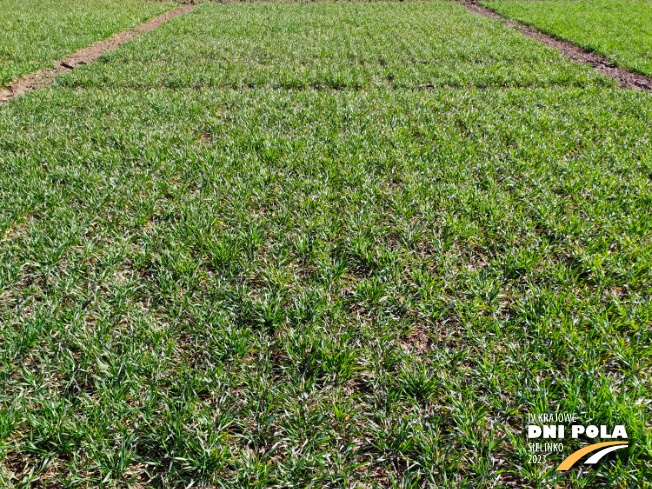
(573, 52)
(44, 77)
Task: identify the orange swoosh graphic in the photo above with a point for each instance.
(575, 456)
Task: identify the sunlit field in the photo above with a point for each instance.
(35, 33)
(619, 29)
(323, 245)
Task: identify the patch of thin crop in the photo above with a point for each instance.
(334, 46)
(271, 288)
(618, 29)
(35, 33)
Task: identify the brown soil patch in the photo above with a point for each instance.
(43, 78)
(417, 342)
(573, 52)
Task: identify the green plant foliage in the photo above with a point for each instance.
(259, 286)
(336, 46)
(34, 33)
(621, 30)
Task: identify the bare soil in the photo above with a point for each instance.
(84, 56)
(573, 52)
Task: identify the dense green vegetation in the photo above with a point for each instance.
(257, 285)
(619, 29)
(34, 33)
(334, 45)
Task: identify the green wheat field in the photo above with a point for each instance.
(320, 245)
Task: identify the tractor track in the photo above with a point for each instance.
(46, 76)
(625, 78)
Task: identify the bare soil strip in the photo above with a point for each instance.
(573, 52)
(84, 56)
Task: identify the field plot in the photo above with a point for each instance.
(334, 45)
(34, 33)
(219, 270)
(620, 30)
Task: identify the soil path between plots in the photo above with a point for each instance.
(44, 77)
(573, 52)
